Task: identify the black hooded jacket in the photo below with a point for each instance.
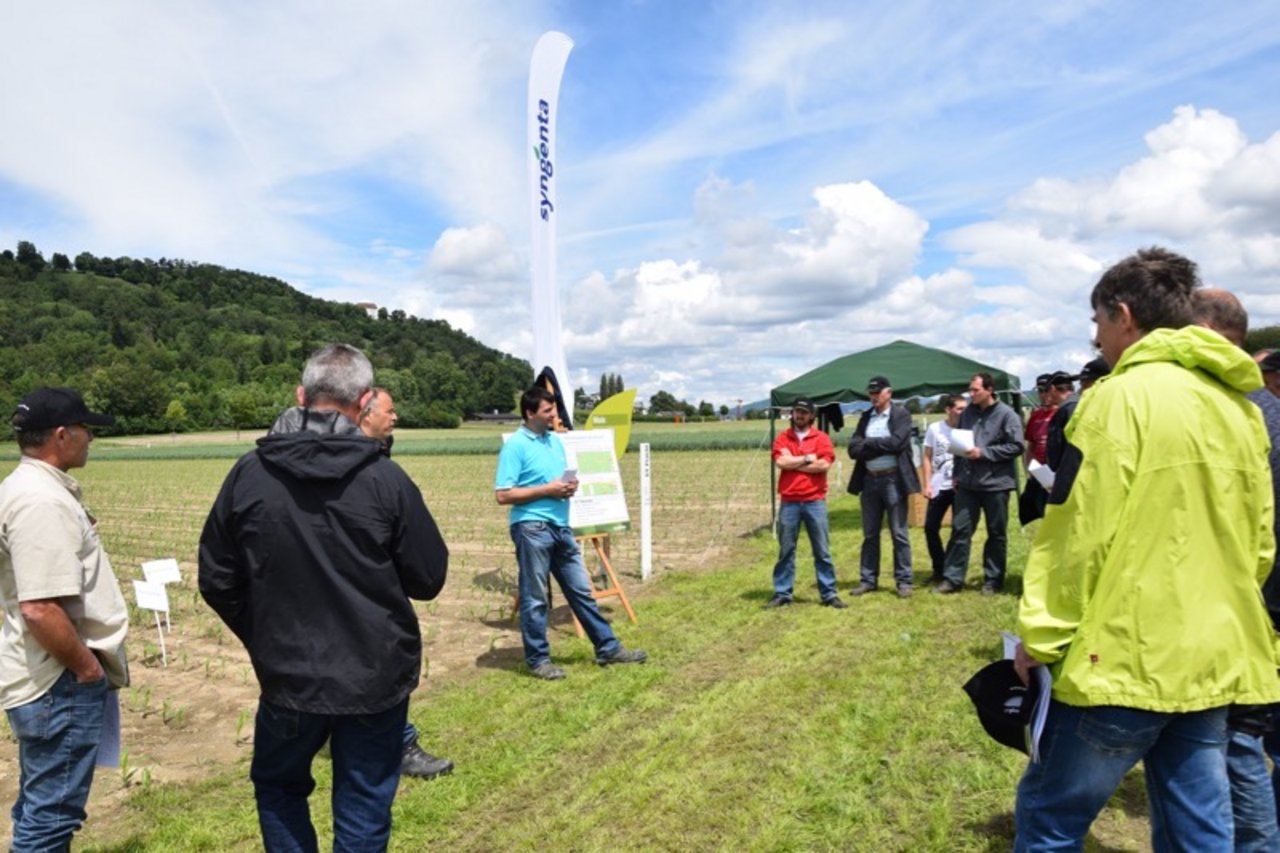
(310, 554)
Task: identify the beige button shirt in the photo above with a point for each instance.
(49, 548)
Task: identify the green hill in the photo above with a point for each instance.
(173, 344)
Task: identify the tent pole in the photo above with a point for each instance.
(773, 476)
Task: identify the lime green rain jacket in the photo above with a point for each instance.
(1143, 589)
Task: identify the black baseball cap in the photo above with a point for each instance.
(1003, 702)
(46, 408)
(1095, 369)
(1061, 379)
(1043, 381)
(1271, 363)
(876, 384)
(804, 403)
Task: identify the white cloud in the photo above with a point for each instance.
(478, 253)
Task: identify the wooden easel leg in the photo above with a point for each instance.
(601, 542)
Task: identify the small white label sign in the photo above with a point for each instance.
(162, 571)
(151, 596)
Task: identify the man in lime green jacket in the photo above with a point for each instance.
(1142, 591)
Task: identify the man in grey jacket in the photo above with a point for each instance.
(984, 477)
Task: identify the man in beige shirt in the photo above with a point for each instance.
(64, 619)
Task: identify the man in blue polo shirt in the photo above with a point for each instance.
(531, 480)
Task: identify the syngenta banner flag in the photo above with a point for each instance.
(545, 70)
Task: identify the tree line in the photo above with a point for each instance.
(178, 345)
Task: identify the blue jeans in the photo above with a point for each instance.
(366, 752)
(58, 736)
(883, 496)
(542, 550)
(1085, 752)
(964, 519)
(813, 515)
(1253, 803)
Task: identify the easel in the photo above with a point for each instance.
(601, 543)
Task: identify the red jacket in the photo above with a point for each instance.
(799, 486)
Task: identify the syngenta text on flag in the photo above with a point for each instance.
(545, 71)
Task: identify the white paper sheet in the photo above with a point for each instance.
(1043, 474)
(961, 441)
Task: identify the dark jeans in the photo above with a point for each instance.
(58, 736)
(937, 510)
(964, 519)
(366, 770)
(883, 496)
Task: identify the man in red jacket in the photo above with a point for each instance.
(803, 453)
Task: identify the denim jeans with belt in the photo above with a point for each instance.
(813, 515)
(1085, 752)
(542, 550)
(58, 736)
(366, 752)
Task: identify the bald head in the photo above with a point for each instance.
(1218, 309)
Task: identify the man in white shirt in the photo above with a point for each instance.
(937, 485)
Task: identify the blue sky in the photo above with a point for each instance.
(746, 190)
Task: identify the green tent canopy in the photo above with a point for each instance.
(913, 370)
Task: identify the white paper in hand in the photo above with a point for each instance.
(1043, 474)
(961, 441)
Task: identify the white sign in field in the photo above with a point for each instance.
(161, 571)
(151, 596)
(600, 505)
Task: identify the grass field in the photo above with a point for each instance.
(799, 729)
(471, 438)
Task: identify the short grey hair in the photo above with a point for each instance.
(338, 373)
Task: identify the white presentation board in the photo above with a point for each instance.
(600, 505)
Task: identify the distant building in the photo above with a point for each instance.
(370, 308)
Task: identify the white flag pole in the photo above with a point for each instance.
(546, 68)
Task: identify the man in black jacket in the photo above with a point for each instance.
(310, 554)
(884, 475)
(984, 477)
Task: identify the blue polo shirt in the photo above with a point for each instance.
(529, 459)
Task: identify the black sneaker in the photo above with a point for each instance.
(423, 765)
(990, 589)
(834, 601)
(622, 656)
(547, 671)
(862, 589)
(947, 588)
(777, 601)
